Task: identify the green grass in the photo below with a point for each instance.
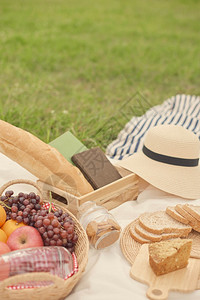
(73, 64)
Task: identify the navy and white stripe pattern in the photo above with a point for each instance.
(182, 110)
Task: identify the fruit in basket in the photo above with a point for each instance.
(10, 226)
(2, 215)
(4, 248)
(21, 207)
(3, 236)
(55, 227)
(24, 237)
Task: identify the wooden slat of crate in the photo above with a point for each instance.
(118, 192)
(109, 196)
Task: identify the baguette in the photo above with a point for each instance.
(42, 160)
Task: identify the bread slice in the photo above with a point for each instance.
(138, 238)
(193, 210)
(171, 211)
(153, 237)
(193, 213)
(160, 222)
(193, 222)
(180, 209)
(168, 256)
(196, 227)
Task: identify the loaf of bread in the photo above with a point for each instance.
(42, 160)
(170, 255)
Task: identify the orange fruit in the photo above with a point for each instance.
(3, 236)
(10, 225)
(2, 215)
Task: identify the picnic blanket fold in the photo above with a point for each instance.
(182, 110)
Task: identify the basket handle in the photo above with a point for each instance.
(55, 284)
(21, 181)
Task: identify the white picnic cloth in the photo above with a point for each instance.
(107, 272)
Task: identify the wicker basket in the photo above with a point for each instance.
(59, 288)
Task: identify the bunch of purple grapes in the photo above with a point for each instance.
(56, 228)
(22, 207)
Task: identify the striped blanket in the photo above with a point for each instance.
(183, 110)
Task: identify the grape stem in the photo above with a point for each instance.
(50, 206)
(3, 204)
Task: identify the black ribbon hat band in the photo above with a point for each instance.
(184, 162)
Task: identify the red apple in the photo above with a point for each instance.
(24, 237)
(4, 248)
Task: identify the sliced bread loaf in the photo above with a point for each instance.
(184, 211)
(153, 237)
(171, 211)
(138, 238)
(168, 256)
(193, 210)
(196, 227)
(160, 222)
(181, 210)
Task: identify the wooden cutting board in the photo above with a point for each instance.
(183, 280)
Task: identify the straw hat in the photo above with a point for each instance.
(169, 161)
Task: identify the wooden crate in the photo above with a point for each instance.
(109, 196)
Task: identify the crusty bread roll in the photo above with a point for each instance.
(42, 160)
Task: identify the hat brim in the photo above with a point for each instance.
(177, 180)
